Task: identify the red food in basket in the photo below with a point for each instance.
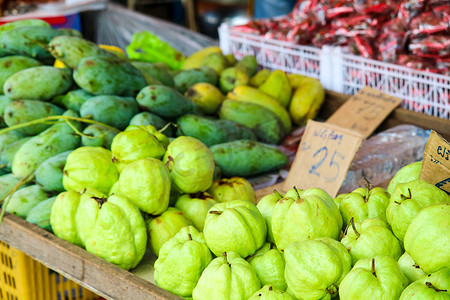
(356, 25)
(374, 6)
(390, 45)
(431, 46)
(417, 63)
(411, 8)
(362, 45)
(443, 66)
(428, 23)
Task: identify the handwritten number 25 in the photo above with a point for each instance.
(333, 168)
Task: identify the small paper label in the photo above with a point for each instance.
(436, 162)
(365, 111)
(323, 158)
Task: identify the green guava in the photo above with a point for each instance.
(236, 226)
(364, 203)
(146, 182)
(163, 139)
(134, 144)
(338, 200)
(268, 292)
(268, 263)
(191, 165)
(427, 239)
(181, 261)
(406, 174)
(227, 277)
(370, 238)
(407, 200)
(434, 286)
(196, 207)
(378, 277)
(409, 268)
(266, 206)
(162, 228)
(309, 214)
(90, 167)
(234, 188)
(112, 228)
(315, 268)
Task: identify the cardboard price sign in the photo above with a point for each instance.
(364, 111)
(436, 162)
(323, 158)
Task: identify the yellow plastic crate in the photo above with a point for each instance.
(23, 278)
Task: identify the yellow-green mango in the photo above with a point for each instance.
(13, 64)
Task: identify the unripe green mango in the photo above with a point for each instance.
(4, 102)
(74, 99)
(40, 214)
(264, 123)
(70, 32)
(8, 138)
(102, 75)
(186, 78)
(164, 101)
(38, 83)
(248, 64)
(212, 131)
(22, 111)
(100, 136)
(58, 138)
(71, 49)
(29, 41)
(23, 200)
(147, 118)
(245, 158)
(13, 64)
(150, 70)
(7, 155)
(111, 110)
(17, 24)
(7, 182)
(216, 61)
(49, 174)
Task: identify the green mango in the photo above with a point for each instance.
(74, 99)
(7, 182)
(8, 138)
(148, 118)
(264, 123)
(216, 61)
(108, 75)
(259, 78)
(62, 217)
(49, 174)
(13, 64)
(187, 78)
(164, 101)
(4, 102)
(100, 136)
(38, 83)
(90, 167)
(248, 64)
(40, 214)
(7, 155)
(112, 110)
(231, 59)
(212, 131)
(29, 41)
(23, 23)
(146, 183)
(23, 111)
(243, 158)
(153, 71)
(112, 228)
(23, 200)
(181, 262)
(70, 32)
(71, 49)
(58, 138)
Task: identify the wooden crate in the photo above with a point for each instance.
(112, 282)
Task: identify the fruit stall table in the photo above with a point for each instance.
(112, 282)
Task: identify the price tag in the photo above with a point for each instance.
(364, 111)
(323, 158)
(436, 162)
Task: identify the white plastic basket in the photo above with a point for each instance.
(342, 72)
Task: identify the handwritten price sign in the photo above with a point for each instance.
(368, 108)
(436, 162)
(324, 156)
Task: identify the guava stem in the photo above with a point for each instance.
(332, 290)
(430, 285)
(354, 228)
(8, 195)
(416, 266)
(405, 197)
(167, 126)
(215, 212)
(278, 195)
(296, 190)
(100, 201)
(373, 267)
(169, 162)
(190, 236)
(224, 255)
(198, 195)
(367, 183)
